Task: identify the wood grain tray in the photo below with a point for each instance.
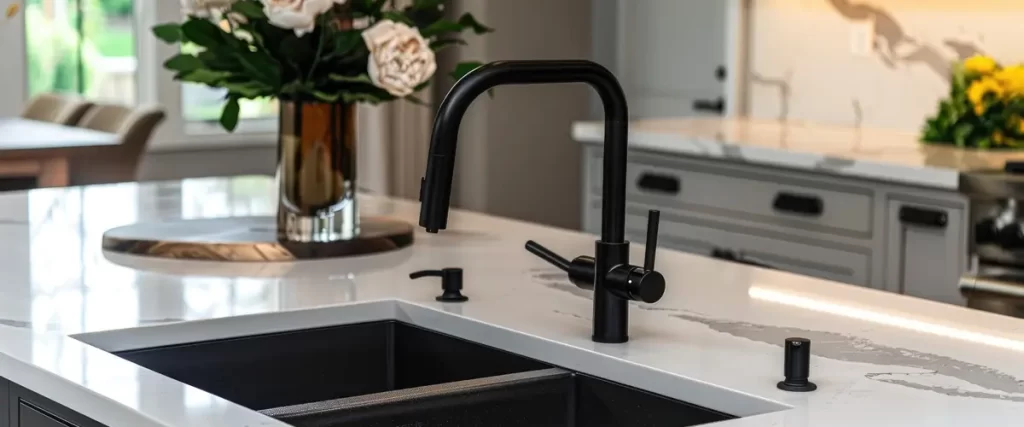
(248, 239)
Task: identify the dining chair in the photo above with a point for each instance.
(116, 163)
(54, 108)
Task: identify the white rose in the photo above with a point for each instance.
(204, 8)
(400, 59)
(298, 15)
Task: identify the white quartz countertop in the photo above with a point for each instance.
(876, 154)
(714, 340)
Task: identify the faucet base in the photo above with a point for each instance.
(611, 310)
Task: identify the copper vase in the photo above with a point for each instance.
(316, 172)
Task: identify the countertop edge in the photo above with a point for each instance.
(936, 178)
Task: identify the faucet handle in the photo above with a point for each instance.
(580, 270)
(651, 247)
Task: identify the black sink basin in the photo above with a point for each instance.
(393, 374)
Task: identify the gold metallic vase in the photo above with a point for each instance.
(316, 172)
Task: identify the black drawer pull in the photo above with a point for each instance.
(658, 183)
(728, 255)
(800, 204)
(932, 218)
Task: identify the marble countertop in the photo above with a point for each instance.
(885, 155)
(715, 339)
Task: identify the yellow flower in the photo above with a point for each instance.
(980, 64)
(1012, 79)
(997, 137)
(1020, 126)
(12, 10)
(981, 88)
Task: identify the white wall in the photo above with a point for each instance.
(804, 69)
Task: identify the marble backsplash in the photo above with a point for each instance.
(803, 67)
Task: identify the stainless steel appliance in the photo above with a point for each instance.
(996, 280)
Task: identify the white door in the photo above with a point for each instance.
(673, 55)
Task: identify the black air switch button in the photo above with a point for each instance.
(798, 366)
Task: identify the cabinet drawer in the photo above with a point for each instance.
(29, 416)
(766, 198)
(704, 239)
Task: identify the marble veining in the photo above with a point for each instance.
(997, 384)
(714, 340)
(942, 374)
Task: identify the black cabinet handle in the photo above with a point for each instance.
(716, 106)
(728, 255)
(923, 217)
(800, 204)
(658, 183)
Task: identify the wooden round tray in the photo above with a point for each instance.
(248, 239)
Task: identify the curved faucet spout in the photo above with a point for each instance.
(435, 192)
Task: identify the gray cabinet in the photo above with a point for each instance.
(926, 247)
(5, 418)
(24, 408)
(30, 416)
(855, 231)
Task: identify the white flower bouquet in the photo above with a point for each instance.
(346, 51)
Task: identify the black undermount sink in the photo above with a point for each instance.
(392, 374)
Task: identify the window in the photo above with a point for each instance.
(81, 46)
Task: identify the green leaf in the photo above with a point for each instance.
(437, 45)
(960, 134)
(344, 43)
(463, 68)
(204, 76)
(251, 89)
(362, 78)
(203, 33)
(183, 63)
(296, 87)
(416, 100)
(260, 67)
(427, 4)
(229, 116)
(249, 9)
(168, 33)
(353, 98)
(441, 27)
(326, 97)
(397, 17)
(467, 20)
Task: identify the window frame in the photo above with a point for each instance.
(154, 85)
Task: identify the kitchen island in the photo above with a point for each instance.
(868, 207)
(714, 340)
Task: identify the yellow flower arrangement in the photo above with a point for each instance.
(980, 89)
(1011, 79)
(979, 64)
(984, 109)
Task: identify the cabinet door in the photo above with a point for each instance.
(5, 418)
(29, 409)
(29, 416)
(926, 251)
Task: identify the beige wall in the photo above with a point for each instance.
(803, 67)
(516, 156)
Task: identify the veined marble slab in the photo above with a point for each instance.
(876, 154)
(715, 339)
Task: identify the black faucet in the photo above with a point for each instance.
(609, 272)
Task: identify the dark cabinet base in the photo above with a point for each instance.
(24, 408)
